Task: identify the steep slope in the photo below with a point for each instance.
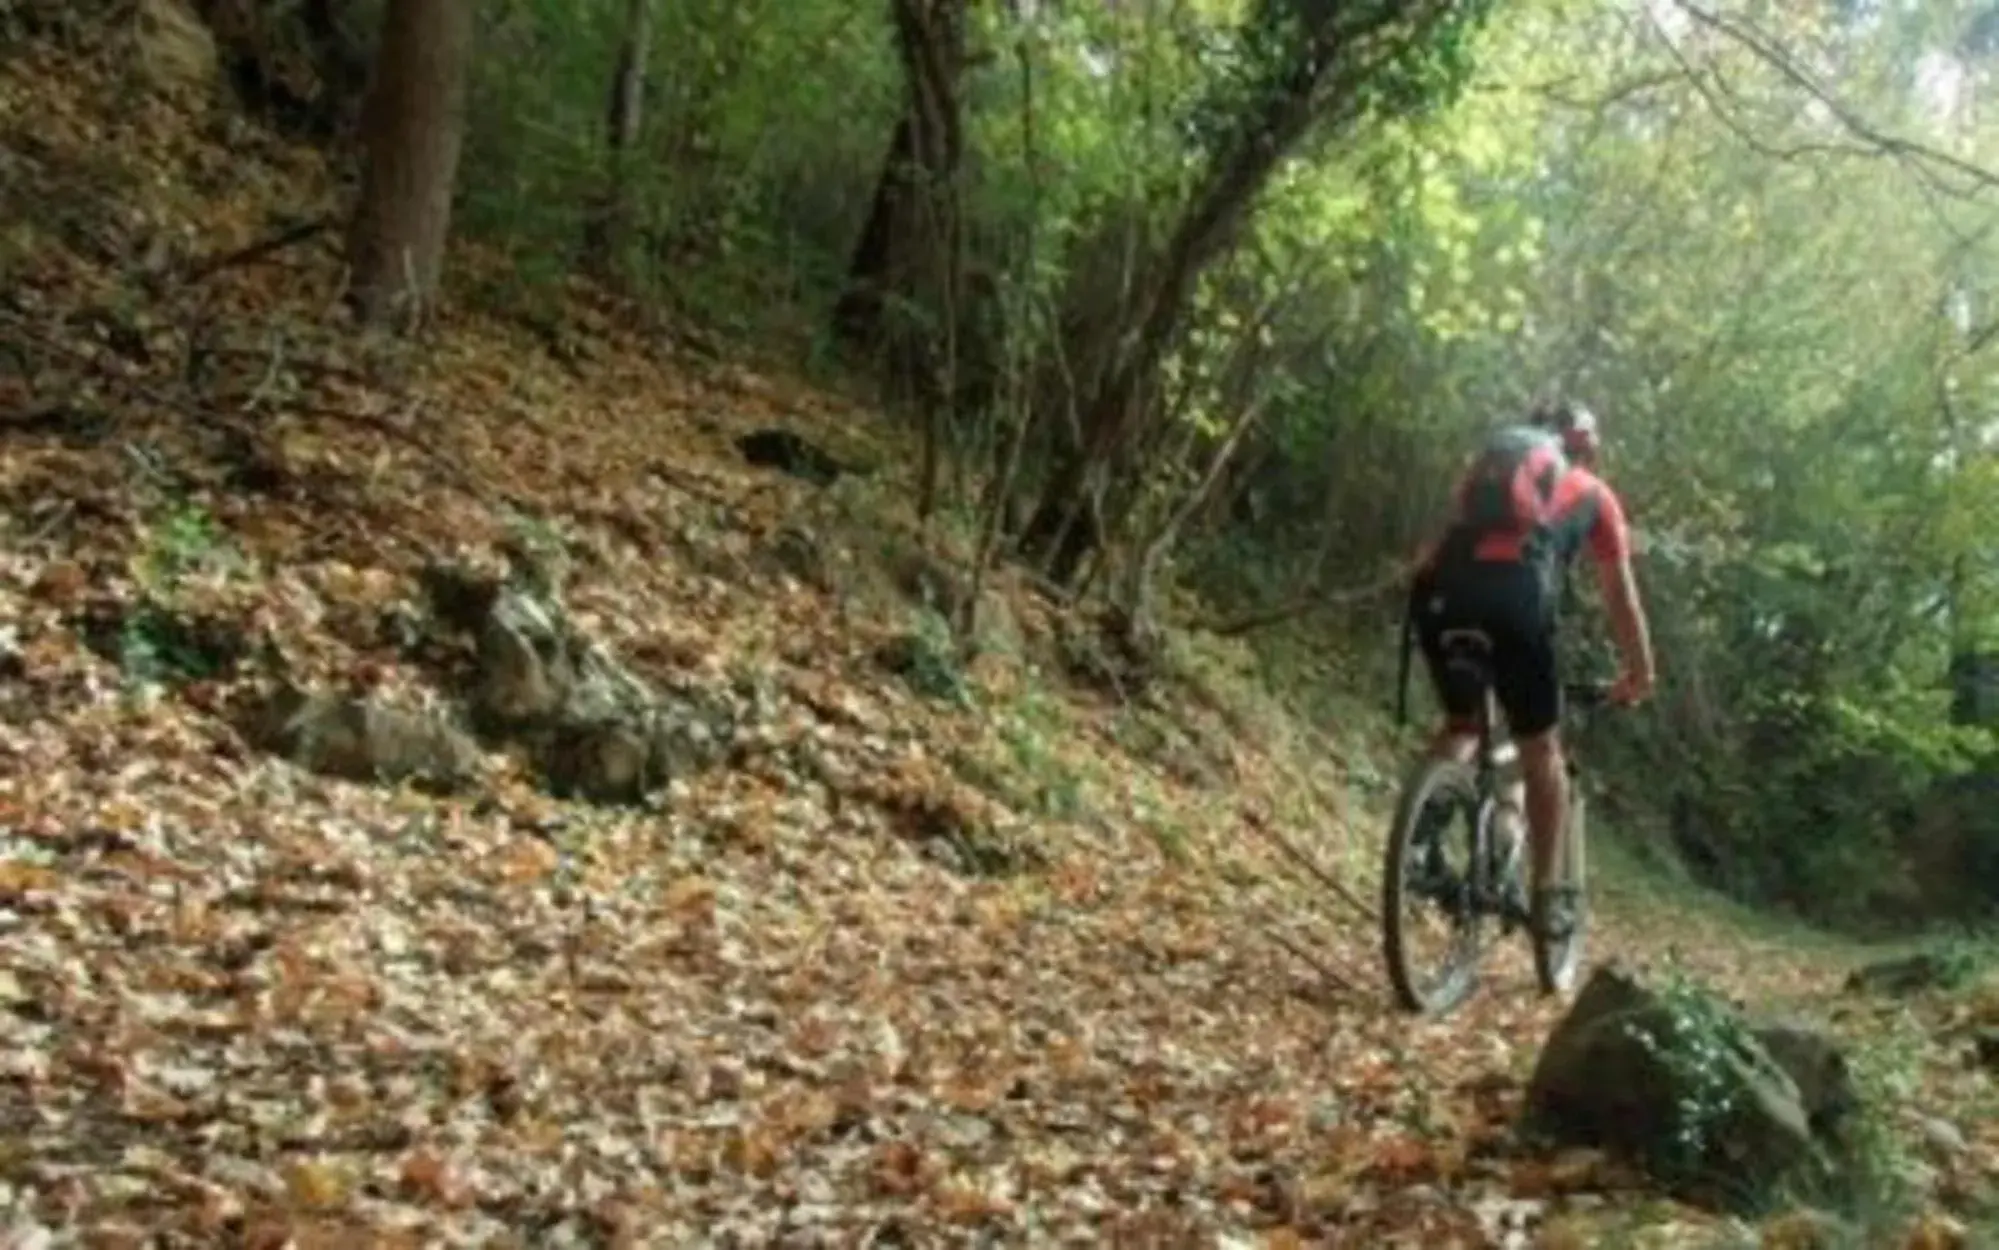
(907, 970)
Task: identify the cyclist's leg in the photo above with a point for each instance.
(1527, 683)
(1444, 603)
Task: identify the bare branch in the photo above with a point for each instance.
(1931, 164)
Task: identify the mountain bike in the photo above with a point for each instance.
(1491, 885)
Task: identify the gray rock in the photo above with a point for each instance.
(361, 738)
(1819, 1068)
(593, 729)
(1944, 1141)
(1721, 1113)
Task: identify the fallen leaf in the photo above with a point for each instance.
(430, 1177)
(315, 1184)
(20, 877)
(1937, 1231)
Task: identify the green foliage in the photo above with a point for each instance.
(181, 540)
(1034, 735)
(1782, 328)
(927, 657)
(1878, 1182)
(763, 129)
(1698, 1046)
(156, 640)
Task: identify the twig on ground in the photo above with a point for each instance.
(1317, 873)
(201, 271)
(1317, 965)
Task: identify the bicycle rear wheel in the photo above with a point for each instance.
(1438, 813)
(1558, 959)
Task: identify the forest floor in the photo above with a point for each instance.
(241, 1004)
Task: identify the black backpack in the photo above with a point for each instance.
(1510, 486)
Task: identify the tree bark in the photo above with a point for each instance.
(858, 315)
(908, 251)
(412, 131)
(608, 225)
(1321, 78)
(1141, 592)
(1112, 415)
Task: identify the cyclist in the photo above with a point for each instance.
(1527, 505)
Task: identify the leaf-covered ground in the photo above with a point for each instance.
(243, 1005)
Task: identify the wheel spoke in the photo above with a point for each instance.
(1425, 893)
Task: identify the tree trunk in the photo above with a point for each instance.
(1321, 75)
(412, 130)
(340, 59)
(1141, 593)
(1112, 415)
(904, 282)
(607, 226)
(858, 315)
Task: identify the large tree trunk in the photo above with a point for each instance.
(904, 302)
(608, 225)
(908, 252)
(412, 130)
(858, 315)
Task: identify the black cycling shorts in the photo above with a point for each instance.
(1510, 603)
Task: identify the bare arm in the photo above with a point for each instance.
(1627, 621)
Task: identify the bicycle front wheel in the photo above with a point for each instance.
(1436, 820)
(1558, 958)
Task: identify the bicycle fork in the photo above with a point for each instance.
(1497, 852)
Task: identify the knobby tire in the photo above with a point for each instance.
(1429, 777)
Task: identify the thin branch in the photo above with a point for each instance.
(1920, 158)
(1307, 602)
(261, 249)
(1556, 90)
(1699, 80)
(1305, 957)
(1009, 470)
(1312, 869)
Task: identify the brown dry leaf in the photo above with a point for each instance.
(684, 1151)
(1565, 1232)
(900, 1169)
(20, 877)
(430, 1177)
(1571, 1171)
(754, 1151)
(1405, 1159)
(315, 1184)
(528, 860)
(1798, 1230)
(690, 897)
(1937, 1231)
(268, 1231)
(808, 1114)
(61, 584)
(960, 1200)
